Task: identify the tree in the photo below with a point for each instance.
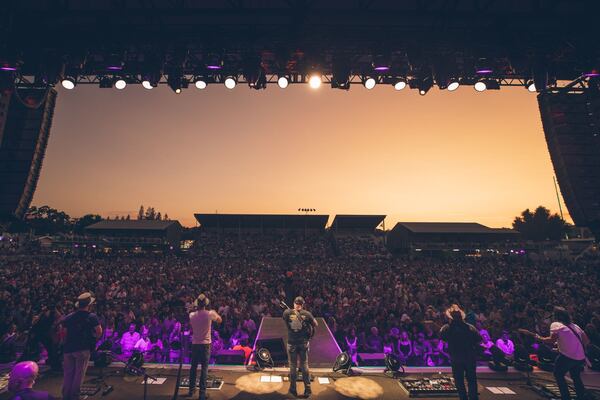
(540, 225)
(47, 220)
(166, 218)
(128, 217)
(86, 220)
(158, 216)
(141, 212)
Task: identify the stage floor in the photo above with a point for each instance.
(242, 384)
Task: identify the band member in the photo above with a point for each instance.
(463, 345)
(22, 379)
(299, 322)
(83, 329)
(201, 322)
(571, 340)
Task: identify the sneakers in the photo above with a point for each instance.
(307, 393)
(293, 392)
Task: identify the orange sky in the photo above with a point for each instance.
(461, 156)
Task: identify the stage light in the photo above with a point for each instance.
(480, 86)
(69, 83)
(315, 81)
(530, 85)
(214, 62)
(369, 83)
(380, 64)
(147, 85)
(114, 62)
(283, 81)
(453, 84)
(200, 83)
(120, 84)
(230, 82)
(6, 66)
(498, 363)
(263, 358)
(343, 363)
(105, 82)
(522, 361)
(392, 363)
(340, 73)
(483, 67)
(400, 84)
(176, 82)
(594, 73)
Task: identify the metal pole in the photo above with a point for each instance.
(558, 197)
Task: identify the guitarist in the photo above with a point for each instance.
(571, 341)
(300, 324)
(83, 329)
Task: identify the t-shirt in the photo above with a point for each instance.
(568, 344)
(201, 322)
(80, 331)
(297, 332)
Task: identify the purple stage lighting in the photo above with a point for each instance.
(381, 68)
(213, 66)
(592, 74)
(484, 71)
(114, 67)
(8, 67)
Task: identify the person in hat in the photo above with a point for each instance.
(299, 322)
(21, 381)
(83, 329)
(201, 321)
(463, 345)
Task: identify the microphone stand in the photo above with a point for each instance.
(178, 381)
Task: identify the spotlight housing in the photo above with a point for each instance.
(69, 82)
(530, 85)
(381, 64)
(453, 84)
(200, 83)
(480, 86)
(392, 364)
(150, 80)
(263, 359)
(343, 364)
(214, 62)
(177, 82)
(315, 81)
(105, 82)
(369, 82)
(283, 81)
(483, 67)
(120, 84)
(230, 82)
(400, 84)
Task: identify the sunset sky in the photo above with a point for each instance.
(461, 156)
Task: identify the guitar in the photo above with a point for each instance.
(306, 325)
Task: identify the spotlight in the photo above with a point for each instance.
(263, 359)
(200, 83)
(499, 362)
(147, 85)
(230, 82)
(480, 86)
(453, 84)
(114, 62)
(283, 81)
(7, 66)
(594, 73)
(392, 364)
(400, 84)
(380, 64)
(343, 363)
(369, 83)
(176, 82)
(483, 67)
(424, 85)
(521, 361)
(69, 82)
(214, 62)
(315, 81)
(135, 363)
(105, 82)
(120, 84)
(530, 85)
(340, 74)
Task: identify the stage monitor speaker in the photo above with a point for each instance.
(230, 357)
(571, 121)
(371, 359)
(276, 347)
(25, 121)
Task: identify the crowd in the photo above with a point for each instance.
(371, 304)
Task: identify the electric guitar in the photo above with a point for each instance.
(306, 325)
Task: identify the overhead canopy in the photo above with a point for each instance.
(450, 227)
(167, 231)
(262, 221)
(357, 222)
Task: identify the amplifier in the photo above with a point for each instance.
(429, 387)
(211, 383)
(230, 357)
